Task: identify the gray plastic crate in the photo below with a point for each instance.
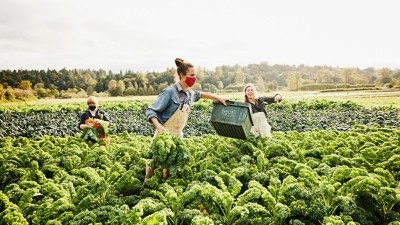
(233, 120)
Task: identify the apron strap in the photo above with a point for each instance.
(183, 99)
(179, 93)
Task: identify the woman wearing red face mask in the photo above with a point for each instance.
(170, 110)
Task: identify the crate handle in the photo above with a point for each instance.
(227, 102)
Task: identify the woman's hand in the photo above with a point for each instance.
(103, 122)
(277, 98)
(222, 100)
(86, 126)
(160, 128)
(208, 95)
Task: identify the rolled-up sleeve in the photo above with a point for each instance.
(269, 99)
(196, 95)
(158, 105)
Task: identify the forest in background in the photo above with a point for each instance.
(31, 84)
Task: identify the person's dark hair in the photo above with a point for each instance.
(182, 65)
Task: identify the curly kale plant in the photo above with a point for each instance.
(169, 152)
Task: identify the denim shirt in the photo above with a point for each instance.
(168, 102)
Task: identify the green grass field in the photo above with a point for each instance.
(365, 98)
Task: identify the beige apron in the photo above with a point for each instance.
(177, 121)
(261, 127)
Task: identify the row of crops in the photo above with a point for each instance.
(62, 120)
(327, 163)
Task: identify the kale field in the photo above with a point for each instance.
(327, 163)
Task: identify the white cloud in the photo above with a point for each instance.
(148, 35)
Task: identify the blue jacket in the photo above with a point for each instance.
(168, 102)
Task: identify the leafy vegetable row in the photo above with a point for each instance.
(130, 117)
(313, 177)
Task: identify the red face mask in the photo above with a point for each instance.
(190, 81)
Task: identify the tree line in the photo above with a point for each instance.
(25, 84)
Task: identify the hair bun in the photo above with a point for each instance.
(178, 61)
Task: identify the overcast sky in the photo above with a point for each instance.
(148, 35)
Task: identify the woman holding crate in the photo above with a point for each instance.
(261, 126)
(170, 111)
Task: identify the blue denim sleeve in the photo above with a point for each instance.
(159, 105)
(196, 95)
